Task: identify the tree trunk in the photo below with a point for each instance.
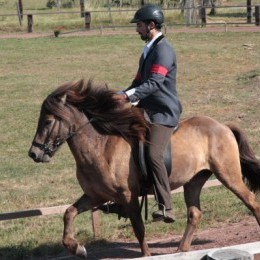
(82, 8)
(20, 4)
(59, 3)
(249, 11)
(164, 4)
(213, 8)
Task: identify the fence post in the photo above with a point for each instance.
(96, 223)
(87, 20)
(257, 15)
(249, 11)
(18, 14)
(29, 23)
(82, 7)
(188, 12)
(203, 16)
(20, 4)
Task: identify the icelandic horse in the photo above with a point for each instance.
(101, 133)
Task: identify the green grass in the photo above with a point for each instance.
(218, 76)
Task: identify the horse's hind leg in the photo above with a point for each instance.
(133, 211)
(239, 188)
(192, 192)
(229, 173)
(83, 204)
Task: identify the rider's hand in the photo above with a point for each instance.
(122, 98)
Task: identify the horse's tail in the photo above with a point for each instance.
(250, 165)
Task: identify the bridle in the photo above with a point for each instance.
(49, 147)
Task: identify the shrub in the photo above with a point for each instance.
(51, 3)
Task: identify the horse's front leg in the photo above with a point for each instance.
(133, 211)
(83, 204)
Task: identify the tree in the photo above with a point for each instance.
(20, 5)
(164, 3)
(82, 8)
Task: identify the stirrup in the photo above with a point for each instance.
(112, 207)
(158, 204)
(106, 207)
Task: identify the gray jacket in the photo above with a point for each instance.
(155, 84)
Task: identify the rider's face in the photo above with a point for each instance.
(143, 31)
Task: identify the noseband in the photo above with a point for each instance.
(49, 147)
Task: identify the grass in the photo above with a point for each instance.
(218, 76)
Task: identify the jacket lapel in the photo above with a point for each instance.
(150, 50)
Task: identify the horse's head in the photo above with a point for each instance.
(62, 114)
(52, 130)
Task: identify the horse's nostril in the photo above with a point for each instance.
(32, 155)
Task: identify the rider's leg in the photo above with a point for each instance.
(158, 138)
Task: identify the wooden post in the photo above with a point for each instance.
(87, 20)
(188, 12)
(29, 23)
(96, 223)
(20, 4)
(203, 16)
(18, 14)
(82, 7)
(59, 4)
(248, 11)
(257, 15)
(109, 11)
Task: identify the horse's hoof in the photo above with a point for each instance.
(81, 251)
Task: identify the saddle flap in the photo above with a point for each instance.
(142, 162)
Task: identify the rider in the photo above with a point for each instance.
(154, 87)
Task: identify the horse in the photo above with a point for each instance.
(101, 134)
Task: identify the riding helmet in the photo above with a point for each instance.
(149, 13)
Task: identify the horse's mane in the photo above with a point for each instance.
(106, 114)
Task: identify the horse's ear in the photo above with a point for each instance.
(63, 99)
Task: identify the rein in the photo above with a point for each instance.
(49, 147)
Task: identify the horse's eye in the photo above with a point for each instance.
(48, 122)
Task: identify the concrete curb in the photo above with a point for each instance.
(251, 248)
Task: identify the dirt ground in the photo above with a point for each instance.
(116, 31)
(246, 231)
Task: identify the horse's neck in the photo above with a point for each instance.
(87, 139)
(91, 149)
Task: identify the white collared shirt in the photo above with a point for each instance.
(150, 43)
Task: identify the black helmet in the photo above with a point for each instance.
(149, 13)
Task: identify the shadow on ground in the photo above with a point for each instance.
(100, 249)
